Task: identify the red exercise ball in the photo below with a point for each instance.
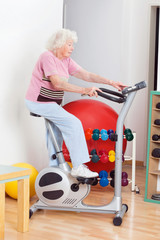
(96, 115)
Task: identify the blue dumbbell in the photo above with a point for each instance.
(103, 178)
(110, 132)
(104, 135)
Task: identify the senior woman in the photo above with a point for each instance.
(45, 94)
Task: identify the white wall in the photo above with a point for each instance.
(136, 48)
(25, 27)
(114, 42)
(100, 37)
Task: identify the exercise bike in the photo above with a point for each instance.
(58, 190)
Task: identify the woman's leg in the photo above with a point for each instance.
(50, 145)
(70, 127)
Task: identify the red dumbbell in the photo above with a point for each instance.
(103, 156)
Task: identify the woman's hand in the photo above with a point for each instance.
(120, 86)
(92, 91)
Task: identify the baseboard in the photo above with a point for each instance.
(129, 162)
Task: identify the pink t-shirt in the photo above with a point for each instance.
(40, 87)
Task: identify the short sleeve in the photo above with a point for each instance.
(49, 65)
(73, 67)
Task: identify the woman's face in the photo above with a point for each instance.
(67, 49)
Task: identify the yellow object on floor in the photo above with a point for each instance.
(11, 188)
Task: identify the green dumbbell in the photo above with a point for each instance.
(128, 134)
(95, 135)
(94, 156)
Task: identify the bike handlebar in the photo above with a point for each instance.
(136, 87)
(106, 93)
(121, 97)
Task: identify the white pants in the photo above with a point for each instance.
(65, 126)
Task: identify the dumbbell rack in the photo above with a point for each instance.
(134, 187)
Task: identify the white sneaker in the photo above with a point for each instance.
(83, 171)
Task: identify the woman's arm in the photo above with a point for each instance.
(92, 77)
(61, 85)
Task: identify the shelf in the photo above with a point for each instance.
(154, 158)
(155, 172)
(153, 163)
(154, 125)
(155, 141)
(156, 109)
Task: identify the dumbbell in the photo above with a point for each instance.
(88, 134)
(124, 179)
(158, 105)
(104, 134)
(94, 156)
(110, 132)
(103, 175)
(111, 156)
(155, 137)
(113, 137)
(103, 156)
(157, 122)
(112, 174)
(156, 153)
(128, 134)
(95, 135)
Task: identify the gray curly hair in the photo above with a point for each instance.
(59, 38)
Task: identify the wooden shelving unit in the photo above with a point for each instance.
(153, 164)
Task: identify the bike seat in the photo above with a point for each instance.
(34, 114)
